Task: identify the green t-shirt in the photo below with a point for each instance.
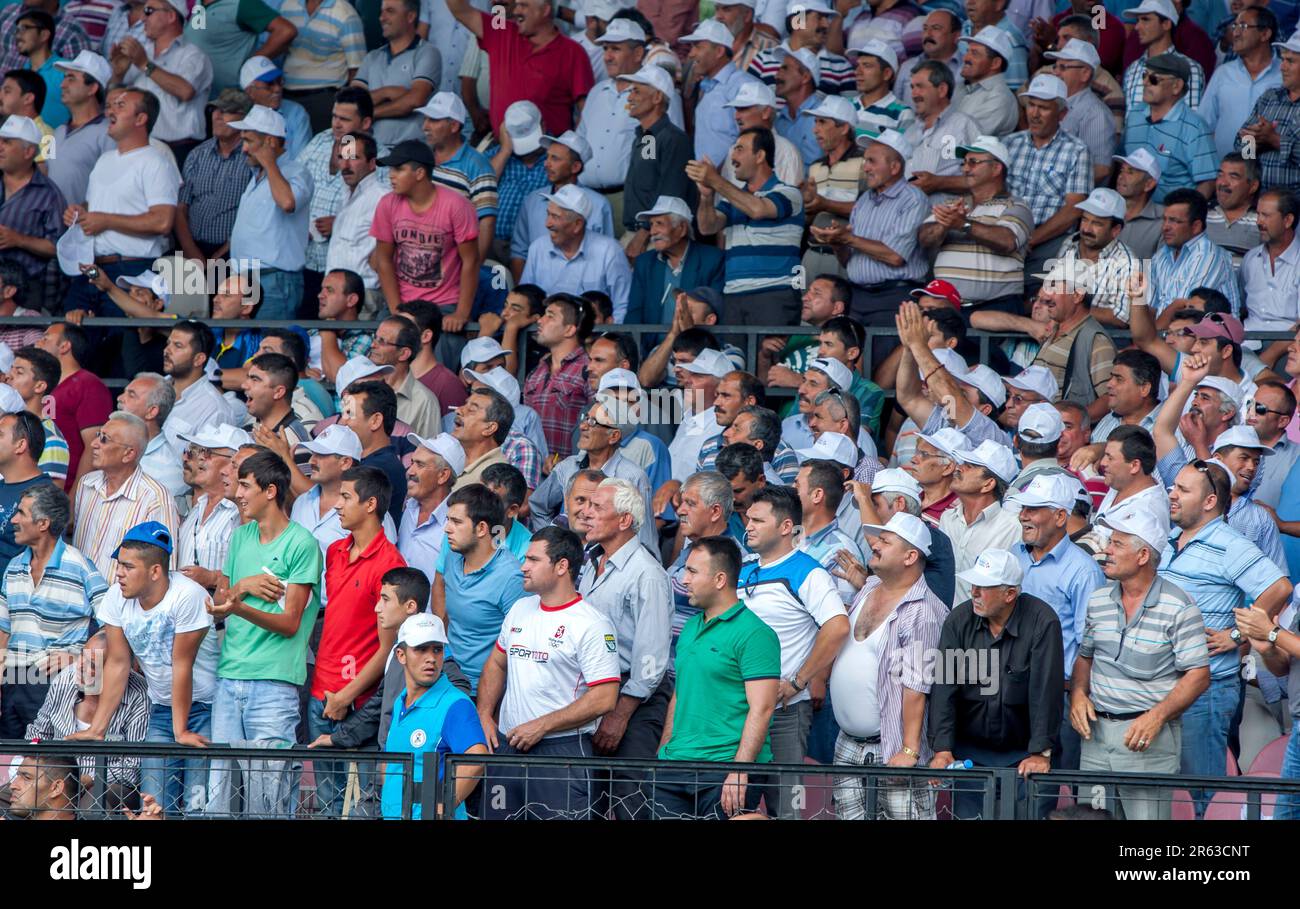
(250, 651)
(713, 663)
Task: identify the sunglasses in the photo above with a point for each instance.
(1262, 409)
(1154, 78)
(592, 421)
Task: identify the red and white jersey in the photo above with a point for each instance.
(553, 655)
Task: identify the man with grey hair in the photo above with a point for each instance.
(48, 596)
(117, 494)
(761, 427)
(601, 428)
(626, 582)
(674, 260)
(660, 153)
(939, 129)
(577, 493)
(151, 398)
(1126, 702)
(707, 510)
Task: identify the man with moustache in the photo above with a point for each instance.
(1270, 415)
(350, 240)
(673, 260)
(940, 36)
(204, 538)
(1100, 258)
(939, 128)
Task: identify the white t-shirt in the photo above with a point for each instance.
(854, 679)
(553, 655)
(130, 184)
(150, 632)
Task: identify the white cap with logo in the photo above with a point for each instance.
(874, 47)
(620, 30)
(994, 568)
(710, 30)
(753, 94)
(839, 374)
(571, 198)
(907, 526)
(446, 447)
(1142, 159)
(1140, 522)
(1078, 51)
(572, 141)
(656, 77)
(996, 40)
(445, 106)
(421, 629)
(830, 446)
(1046, 87)
(804, 57)
(1241, 436)
(523, 122)
(90, 63)
(619, 378)
(22, 128)
(666, 205)
(335, 440)
(1104, 203)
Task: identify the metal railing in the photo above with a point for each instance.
(1163, 797)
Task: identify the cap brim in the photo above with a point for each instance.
(980, 579)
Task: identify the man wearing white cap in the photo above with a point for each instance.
(566, 158)
(84, 137)
(1274, 119)
(833, 176)
(822, 374)
(30, 227)
(940, 34)
(204, 538)
(808, 24)
(433, 469)
(1038, 439)
(939, 127)
(1155, 32)
(517, 160)
(1126, 703)
(820, 486)
(400, 75)
(271, 226)
(525, 446)
(987, 96)
(460, 166)
(1208, 404)
(718, 81)
(1087, 117)
(700, 379)
(878, 684)
(1097, 253)
(978, 521)
(756, 105)
(1011, 45)
(650, 175)
(1032, 385)
(1009, 715)
(569, 258)
(795, 82)
(1136, 180)
(672, 261)
(263, 82)
(176, 72)
(875, 69)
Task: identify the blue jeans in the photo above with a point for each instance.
(1288, 806)
(1206, 727)
(254, 713)
(281, 294)
(163, 778)
(332, 776)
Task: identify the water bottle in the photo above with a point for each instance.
(966, 764)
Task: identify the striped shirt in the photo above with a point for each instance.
(1044, 176)
(22, 335)
(470, 173)
(887, 113)
(1257, 525)
(55, 458)
(57, 719)
(1237, 237)
(1198, 264)
(1089, 120)
(1135, 78)
(1018, 66)
(824, 545)
(52, 615)
(890, 216)
(1111, 421)
(1180, 142)
(993, 528)
(762, 254)
(212, 186)
(1134, 672)
(836, 71)
(1280, 168)
(1107, 277)
(330, 42)
(102, 519)
(329, 192)
(205, 542)
(36, 210)
(755, 45)
(979, 273)
(1056, 357)
(841, 181)
(785, 462)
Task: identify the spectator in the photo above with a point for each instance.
(22, 94)
(35, 36)
(1188, 258)
(325, 55)
(1132, 394)
(204, 537)
(1237, 85)
(342, 294)
(175, 71)
(370, 410)
(756, 106)
(481, 426)
(984, 14)
(557, 388)
(310, 399)
(229, 32)
(987, 94)
(875, 68)
(31, 218)
(808, 25)
(820, 487)
(551, 708)
(151, 397)
(211, 182)
(940, 36)
(459, 166)
(1270, 278)
(446, 386)
(1136, 180)
(573, 257)
(1232, 223)
(1098, 255)
(396, 342)
(1167, 125)
(84, 137)
(127, 19)
(1270, 415)
(69, 37)
(33, 375)
(706, 511)
(81, 400)
(978, 522)
(525, 446)
(400, 75)
(198, 402)
(827, 296)
(507, 483)
(719, 79)
(939, 127)
(1086, 116)
(1275, 120)
(893, 491)
(1156, 20)
(674, 259)
(650, 175)
(263, 82)
(796, 83)
(751, 36)
(45, 788)
(49, 595)
(735, 391)
(1038, 442)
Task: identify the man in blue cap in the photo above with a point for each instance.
(429, 714)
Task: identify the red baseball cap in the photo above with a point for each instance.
(1220, 325)
(941, 289)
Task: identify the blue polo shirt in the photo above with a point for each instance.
(477, 604)
(443, 719)
(1181, 142)
(1064, 579)
(54, 112)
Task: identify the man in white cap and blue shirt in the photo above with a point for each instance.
(992, 15)
(518, 166)
(1087, 117)
(204, 538)
(987, 96)
(1136, 180)
(570, 258)
(525, 447)
(263, 82)
(271, 225)
(756, 105)
(718, 83)
(875, 68)
(434, 466)
(566, 158)
(1058, 572)
(978, 521)
(460, 166)
(796, 85)
(1032, 385)
(1038, 437)
(1097, 253)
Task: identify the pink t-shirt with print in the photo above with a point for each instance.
(426, 257)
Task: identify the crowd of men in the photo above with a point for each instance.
(500, 523)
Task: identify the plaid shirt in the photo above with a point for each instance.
(37, 211)
(1044, 176)
(52, 615)
(1108, 276)
(205, 543)
(521, 453)
(1198, 264)
(329, 192)
(559, 398)
(1136, 76)
(70, 38)
(212, 186)
(1279, 168)
(517, 181)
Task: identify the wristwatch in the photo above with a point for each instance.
(967, 225)
(1272, 635)
(794, 683)
(149, 68)
(1235, 634)
(1047, 753)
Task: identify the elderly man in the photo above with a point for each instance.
(566, 158)
(1136, 181)
(940, 36)
(986, 97)
(433, 469)
(572, 259)
(762, 222)
(1170, 129)
(674, 260)
(1086, 116)
(663, 172)
(117, 494)
(151, 398)
(263, 82)
(1274, 122)
(796, 82)
(978, 521)
(808, 25)
(1100, 258)
(204, 538)
(1155, 31)
(833, 177)
(939, 127)
(719, 80)
(756, 105)
(706, 510)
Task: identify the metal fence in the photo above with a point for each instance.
(1139, 796)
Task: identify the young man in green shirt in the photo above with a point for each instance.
(728, 672)
(269, 596)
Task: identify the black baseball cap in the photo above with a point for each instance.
(412, 151)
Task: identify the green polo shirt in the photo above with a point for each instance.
(714, 660)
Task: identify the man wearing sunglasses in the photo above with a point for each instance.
(1166, 124)
(1270, 415)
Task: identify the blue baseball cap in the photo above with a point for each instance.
(151, 532)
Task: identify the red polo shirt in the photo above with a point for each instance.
(554, 77)
(350, 636)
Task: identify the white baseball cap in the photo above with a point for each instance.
(258, 69)
(753, 94)
(1047, 490)
(90, 63)
(1140, 522)
(709, 362)
(710, 30)
(987, 381)
(1044, 421)
(523, 122)
(481, 350)
(1038, 379)
(181, 7)
(605, 10)
(618, 378)
(21, 128)
(951, 361)
(1046, 87)
(261, 119)
(654, 76)
(1292, 44)
(807, 59)
(834, 370)
(904, 525)
(571, 140)
(1160, 7)
(446, 447)
(1079, 51)
(830, 446)
(497, 379)
(895, 479)
(836, 107)
(810, 6)
(752, 4)
(153, 280)
(989, 145)
(335, 440)
(948, 440)
(358, 368)
(1142, 159)
(1223, 386)
(570, 198)
(994, 568)
(219, 437)
(10, 400)
(445, 106)
(1104, 203)
(994, 457)
(6, 357)
(620, 30)
(666, 205)
(996, 40)
(874, 47)
(1241, 436)
(422, 628)
(888, 137)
